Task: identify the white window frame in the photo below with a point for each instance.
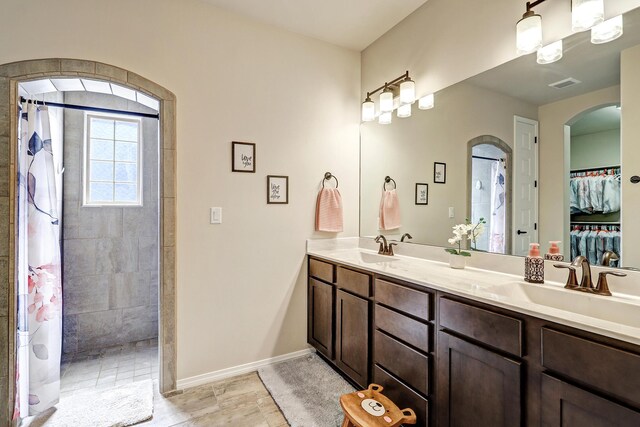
(86, 165)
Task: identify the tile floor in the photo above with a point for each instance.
(109, 367)
(241, 401)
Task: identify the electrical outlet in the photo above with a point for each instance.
(452, 213)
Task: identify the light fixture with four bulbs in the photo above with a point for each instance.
(585, 15)
(405, 88)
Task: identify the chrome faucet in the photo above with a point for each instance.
(586, 284)
(385, 248)
(406, 235)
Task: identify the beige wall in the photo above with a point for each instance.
(241, 285)
(630, 153)
(594, 150)
(446, 41)
(554, 160)
(407, 149)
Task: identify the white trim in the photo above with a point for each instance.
(238, 370)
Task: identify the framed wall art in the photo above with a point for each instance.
(422, 193)
(439, 173)
(243, 157)
(277, 190)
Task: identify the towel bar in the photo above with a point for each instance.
(387, 180)
(327, 177)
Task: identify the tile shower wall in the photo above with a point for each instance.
(110, 262)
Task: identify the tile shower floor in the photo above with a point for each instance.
(108, 367)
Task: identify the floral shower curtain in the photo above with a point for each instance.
(497, 222)
(39, 261)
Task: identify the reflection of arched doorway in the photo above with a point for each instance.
(489, 186)
(10, 75)
(592, 172)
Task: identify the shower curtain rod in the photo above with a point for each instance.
(488, 158)
(93, 109)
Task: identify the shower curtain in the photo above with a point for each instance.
(497, 223)
(39, 320)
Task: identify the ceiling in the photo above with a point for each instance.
(595, 66)
(353, 24)
(35, 88)
(600, 120)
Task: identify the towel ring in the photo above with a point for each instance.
(327, 177)
(387, 180)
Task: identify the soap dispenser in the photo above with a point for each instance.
(534, 265)
(554, 252)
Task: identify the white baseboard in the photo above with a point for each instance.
(238, 370)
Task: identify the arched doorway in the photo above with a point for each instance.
(10, 75)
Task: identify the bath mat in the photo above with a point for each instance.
(114, 407)
(307, 391)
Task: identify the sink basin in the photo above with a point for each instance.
(368, 258)
(613, 309)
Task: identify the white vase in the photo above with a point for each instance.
(457, 261)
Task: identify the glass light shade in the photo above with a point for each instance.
(386, 101)
(609, 30)
(426, 102)
(384, 118)
(407, 92)
(586, 13)
(368, 110)
(529, 33)
(550, 53)
(404, 110)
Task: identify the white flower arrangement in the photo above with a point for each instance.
(466, 231)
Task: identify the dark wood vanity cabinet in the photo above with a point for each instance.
(339, 320)
(458, 362)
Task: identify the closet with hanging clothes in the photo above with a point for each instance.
(594, 198)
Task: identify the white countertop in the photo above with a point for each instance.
(482, 285)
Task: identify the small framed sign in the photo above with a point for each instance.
(243, 157)
(277, 190)
(422, 193)
(439, 173)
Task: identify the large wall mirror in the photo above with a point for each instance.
(538, 151)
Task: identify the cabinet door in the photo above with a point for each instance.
(476, 386)
(564, 405)
(320, 317)
(352, 336)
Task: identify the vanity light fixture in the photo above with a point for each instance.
(384, 118)
(386, 100)
(426, 102)
(404, 110)
(529, 30)
(586, 13)
(368, 110)
(550, 53)
(407, 91)
(607, 31)
(402, 86)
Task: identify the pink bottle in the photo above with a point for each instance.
(534, 265)
(554, 252)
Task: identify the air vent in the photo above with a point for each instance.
(565, 83)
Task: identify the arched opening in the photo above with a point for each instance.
(489, 165)
(10, 76)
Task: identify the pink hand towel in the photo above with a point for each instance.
(329, 210)
(389, 210)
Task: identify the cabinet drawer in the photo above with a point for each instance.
(322, 270)
(353, 281)
(402, 395)
(401, 298)
(404, 328)
(496, 330)
(608, 369)
(402, 361)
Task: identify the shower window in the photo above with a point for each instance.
(112, 161)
